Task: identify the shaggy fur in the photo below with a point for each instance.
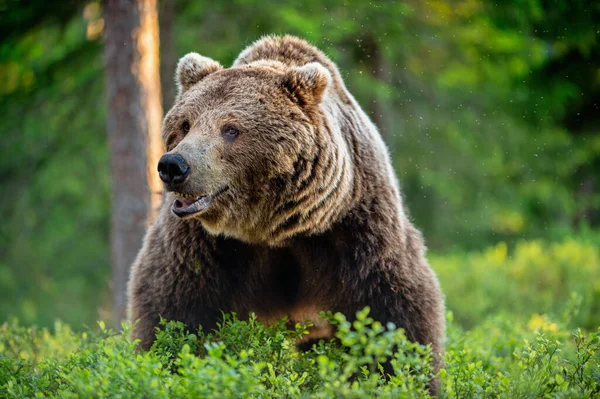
(309, 217)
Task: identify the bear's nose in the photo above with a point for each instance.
(173, 169)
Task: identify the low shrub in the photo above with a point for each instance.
(533, 277)
(522, 323)
(497, 359)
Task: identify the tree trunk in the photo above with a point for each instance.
(132, 85)
(168, 55)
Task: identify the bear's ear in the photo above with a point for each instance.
(192, 68)
(307, 83)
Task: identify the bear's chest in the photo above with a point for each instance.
(303, 313)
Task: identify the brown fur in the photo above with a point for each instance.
(312, 218)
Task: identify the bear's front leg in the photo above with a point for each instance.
(407, 295)
(177, 278)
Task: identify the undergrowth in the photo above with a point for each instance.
(244, 358)
(512, 333)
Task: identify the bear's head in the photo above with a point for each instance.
(250, 153)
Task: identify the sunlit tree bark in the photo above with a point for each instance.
(132, 85)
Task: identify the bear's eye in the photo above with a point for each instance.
(229, 132)
(185, 126)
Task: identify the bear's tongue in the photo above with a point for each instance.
(187, 206)
(185, 202)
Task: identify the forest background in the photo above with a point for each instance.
(491, 111)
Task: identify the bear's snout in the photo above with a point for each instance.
(173, 169)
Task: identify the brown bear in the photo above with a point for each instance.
(282, 201)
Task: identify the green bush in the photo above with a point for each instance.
(522, 322)
(534, 277)
(497, 359)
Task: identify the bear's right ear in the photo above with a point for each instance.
(192, 68)
(306, 84)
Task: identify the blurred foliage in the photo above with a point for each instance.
(532, 276)
(490, 110)
(54, 258)
(497, 359)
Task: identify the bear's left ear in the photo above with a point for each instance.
(307, 83)
(192, 68)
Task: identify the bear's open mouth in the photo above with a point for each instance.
(189, 204)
